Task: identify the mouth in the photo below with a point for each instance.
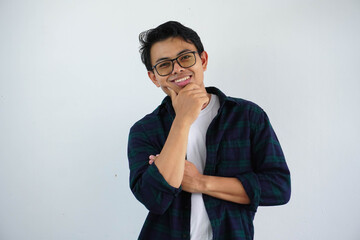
(181, 82)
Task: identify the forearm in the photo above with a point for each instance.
(187, 104)
(171, 159)
(226, 188)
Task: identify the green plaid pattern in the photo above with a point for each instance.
(240, 143)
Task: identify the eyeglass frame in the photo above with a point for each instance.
(172, 61)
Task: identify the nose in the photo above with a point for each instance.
(177, 68)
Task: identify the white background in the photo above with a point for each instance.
(72, 84)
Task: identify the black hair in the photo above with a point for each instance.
(162, 32)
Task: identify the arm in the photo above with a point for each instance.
(272, 172)
(187, 105)
(158, 184)
(146, 182)
(268, 183)
(225, 188)
(170, 161)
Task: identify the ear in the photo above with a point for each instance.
(204, 60)
(152, 76)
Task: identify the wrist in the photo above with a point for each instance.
(181, 123)
(202, 183)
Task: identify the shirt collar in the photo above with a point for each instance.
(167, 106)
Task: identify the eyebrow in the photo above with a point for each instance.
(179, 53)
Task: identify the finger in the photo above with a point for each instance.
(191, 86)
(193, 91)
(200, 98)
(198, 94)
(172, 94)
(151, 161)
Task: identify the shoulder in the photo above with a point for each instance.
(245, 104)
(247, 109)
(147, 121)
(235, 103)
(245, 113)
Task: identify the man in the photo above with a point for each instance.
(202, 162)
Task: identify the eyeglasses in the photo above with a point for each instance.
(166, 67)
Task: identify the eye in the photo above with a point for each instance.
(164, 65)
(185, 57)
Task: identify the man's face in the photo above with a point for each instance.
(171, 48)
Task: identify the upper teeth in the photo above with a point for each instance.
(182, 79)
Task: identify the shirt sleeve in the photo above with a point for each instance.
(269, 183)
(269, 164)
(146, 182)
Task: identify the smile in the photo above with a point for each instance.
(182, 79)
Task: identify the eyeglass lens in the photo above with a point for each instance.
(185, 60)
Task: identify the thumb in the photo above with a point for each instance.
(172, 94)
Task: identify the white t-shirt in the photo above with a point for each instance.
(200, 227)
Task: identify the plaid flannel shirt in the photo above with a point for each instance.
(240, 142)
